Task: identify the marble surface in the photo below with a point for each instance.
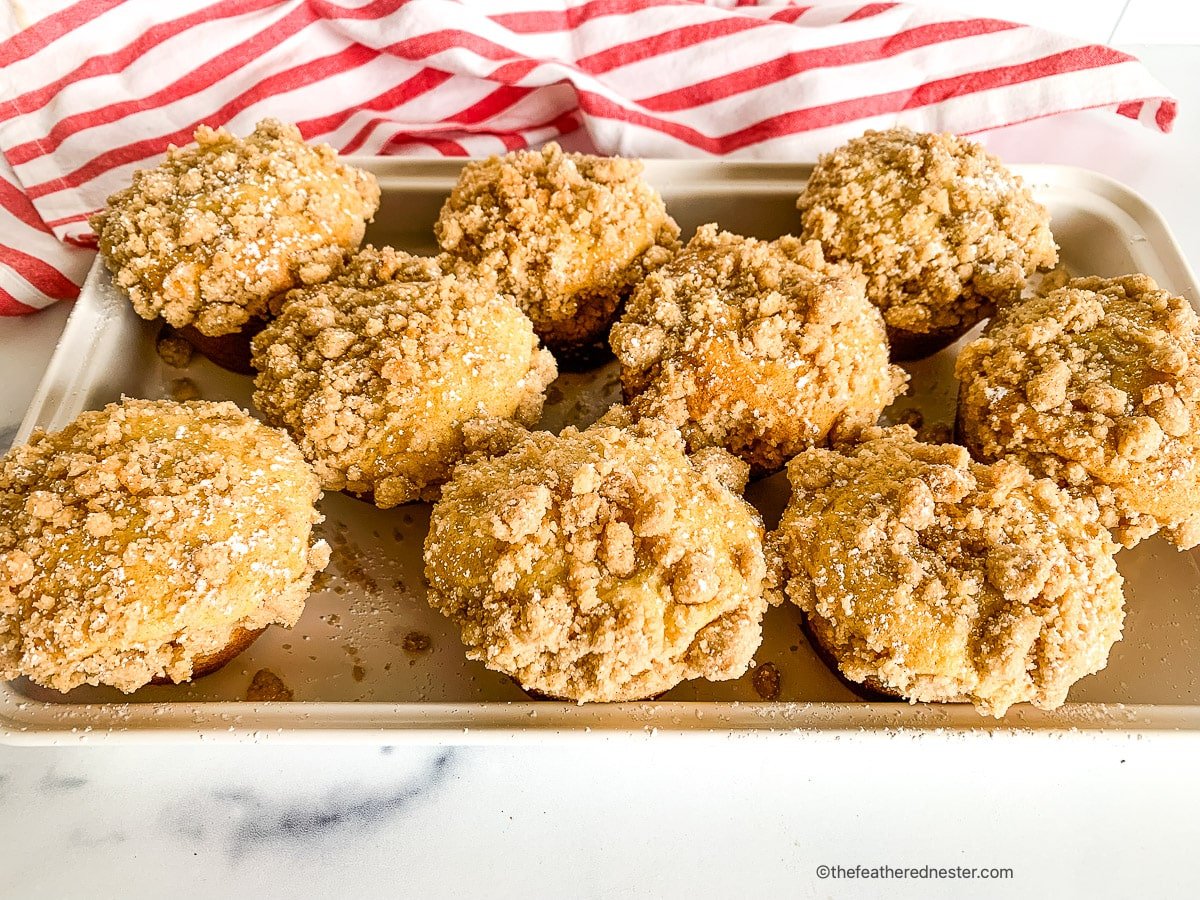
(1097, 815)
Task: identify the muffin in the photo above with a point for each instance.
(1096, 385)
(206, 239)
(758, 347)
(935, 578)
(375, 372)
(941, 229)
(600, 565)
(568, 234)
(150, 540)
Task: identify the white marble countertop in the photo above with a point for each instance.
(1101, 815)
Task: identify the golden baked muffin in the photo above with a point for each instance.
(207, 237)
(150, 540)
(568, 235)
(375, 372)
(936, 578)
(755, 346)
(1096, 385)
(942, 230)
(600, 565)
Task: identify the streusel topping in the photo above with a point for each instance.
(759, 347)
(600, 565)
(1096, 385)
(375, 372)
(937, 578)
(941, 228)
(568, 234)
(142, 536)
(207, 237)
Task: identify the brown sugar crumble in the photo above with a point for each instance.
(207, 237)
(266, 686)
(941, 228)
(376, 371)
(348, 562)
(567, 235)
(173, 350)
(183, 389)
(932, 577)
(600, 565)
(759, 347)
(1097, 386)
(147, 536)
(416, 642)
(767, 681)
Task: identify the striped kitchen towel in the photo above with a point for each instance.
(93, 90)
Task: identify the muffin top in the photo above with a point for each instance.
(938, 578)
(566, 233)
(760, 347)
(375, 371)
(942, 230)
(207, 237)
(602, 564)
(1097, 385)
(142, 536)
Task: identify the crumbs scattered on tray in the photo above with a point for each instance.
(173, 350)
(416, 642)
(357, 670)
(347, 559)
(267, 686)
(933, 433)
(182, 389)
(937, 433)
(1053, 280)
(766, 681)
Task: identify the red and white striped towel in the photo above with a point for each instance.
(97, 88)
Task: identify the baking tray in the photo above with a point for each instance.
(370, 661)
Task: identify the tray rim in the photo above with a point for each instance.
(21, 721)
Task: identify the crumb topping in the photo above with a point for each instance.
(173, 350)
(942, 579)
(143, 536)
(269, 687)
(183, 389)
(207, 237)
(600, 565)
(759, 347)
(941, 228)
(376, 371)
(1096, 385)
(568, 234)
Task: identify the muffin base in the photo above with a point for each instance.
(550, 698)
(909, 346)
(229, 351)
(582, 357)
(871, 690)
(207, 663)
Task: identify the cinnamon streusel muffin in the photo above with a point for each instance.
(759, 347)
(942, 230)
(1096, 385)
(150, 540)
(930, 576)
(568, 235)
(375, 372)
(600, 565)
(208, 236)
